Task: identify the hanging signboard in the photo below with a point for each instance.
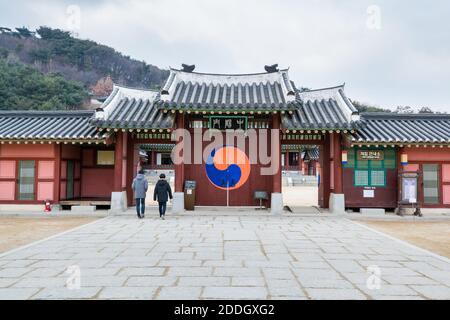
(377, 155)
(228, 122)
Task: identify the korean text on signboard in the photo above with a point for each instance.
(377, 155)
(228, 122)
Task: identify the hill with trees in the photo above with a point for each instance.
(25, 88)
(57, 53)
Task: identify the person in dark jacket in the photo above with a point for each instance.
(161, 194)
(140, 187)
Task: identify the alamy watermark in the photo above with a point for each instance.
(259, 147)
(373, 281)
(373, 21)
(73, 18)
(73, 281)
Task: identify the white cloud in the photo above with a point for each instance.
(324, 42)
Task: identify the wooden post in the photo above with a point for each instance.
(337, 161)
(276, 187)
(118, 157)
(286, 160)
(324, 187)
(179, 168)
(131, 170)
(57, 174)
(300, 161)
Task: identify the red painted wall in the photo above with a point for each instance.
(385, 197)
(27, 150)
(427, 154)
(44, 156)
(70, 152)
(440, 156)
(97, 182)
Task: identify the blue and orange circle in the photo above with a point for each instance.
(227, 168)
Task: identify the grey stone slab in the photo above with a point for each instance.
(43, 282)
(179, 293)
(17, 293)
(387, 290)
(335, 294)
(19, 263)
(232, 271)
(65, 293)
(135, 271)
(191, 271)
(102, 281)
(13, 272)
(433, 292)
(139, 293)
(208, 255)
(409, 280)
(46, 272)
(278, 273)
(235, 293)
(180, 263)
(248, 281)
(383, 297)
(178, 256)
(245, 235)
(236, 257)
(204, 281)
(6, 282)
(439, 276)
(292, 291)
(346, 266)
(224, 263)
(326, 283)
(145, 281)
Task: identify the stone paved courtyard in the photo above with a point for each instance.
(223, 257)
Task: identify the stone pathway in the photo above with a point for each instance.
(223, 257)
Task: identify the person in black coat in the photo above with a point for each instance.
(162, 193)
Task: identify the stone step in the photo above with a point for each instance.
(373, 211)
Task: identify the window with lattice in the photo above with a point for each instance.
(371, 173)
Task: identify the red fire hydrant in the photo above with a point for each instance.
(48, 206)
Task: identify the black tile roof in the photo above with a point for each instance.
(48, 125)
(230, 92)
(403, 128)
(322, 109)
(311, 154)
(133, 108)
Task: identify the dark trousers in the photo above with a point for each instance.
(162, 208)
(140, 206)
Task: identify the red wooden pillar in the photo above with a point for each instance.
(57, 174)
(286, 160)
(179, 167)
(276, 152)
(324, 187)
(131, 168)
(118, 162)
(337, 162)
(300, 161)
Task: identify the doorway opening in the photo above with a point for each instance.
(155, 159)
(300, 176)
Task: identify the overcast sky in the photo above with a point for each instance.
(388, 53)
